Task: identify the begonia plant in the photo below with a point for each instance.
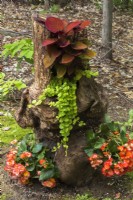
(28, 160)
(111, 148)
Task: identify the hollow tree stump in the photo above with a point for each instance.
(92, 105)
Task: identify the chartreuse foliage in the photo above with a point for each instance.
(8, 86)
(21, 49)
(111, 148)
(65, 91)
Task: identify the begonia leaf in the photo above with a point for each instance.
(49, 41)
(54, 24)
(46, 174)
(67, 58)
(72, 25)
(99, 143)
(37, 148)
(48, 60)
(79, 46)
(61, 71)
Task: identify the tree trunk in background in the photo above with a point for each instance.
(92, 105)
(46, 5)
(107, 28)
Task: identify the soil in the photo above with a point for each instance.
(115, 76)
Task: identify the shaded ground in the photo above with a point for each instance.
(115, 76)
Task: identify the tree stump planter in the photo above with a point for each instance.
(74, 168)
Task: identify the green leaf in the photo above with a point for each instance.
(46, 174)
(90, 135)
(19, 85)
(107, 119)
(112, 146)
(131, 114)
(31, 167)
(23, 146)
(37, 148)
(2, 75)
(99, 143)
(123, 134)
(29, 55)
(131, 135)
(41, 155)
(89, 152)
(104, 129)
(112, 126)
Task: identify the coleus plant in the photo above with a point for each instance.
(64, 48)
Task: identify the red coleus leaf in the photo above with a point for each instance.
(54, 24)
(79, 46)
(84, 24)
(53, 51)
(72, 25)
(49, 41)
(67, 58)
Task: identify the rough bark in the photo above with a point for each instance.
(92, 105)
(107, 28)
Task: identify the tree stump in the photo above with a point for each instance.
(92, 105)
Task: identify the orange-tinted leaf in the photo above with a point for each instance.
(48, 61)
(84, 24)
(53, 51)
(49, 41)
(67, 58)
(89, 54)
(79, 46)
(61, 71)
(72, 25)
(54, 24)
(65, 22)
